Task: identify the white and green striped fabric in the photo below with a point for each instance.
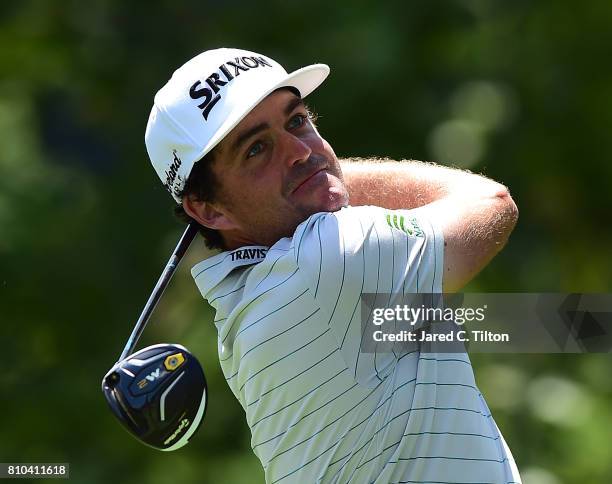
(319, 409)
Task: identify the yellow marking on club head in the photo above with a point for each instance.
(172, 362)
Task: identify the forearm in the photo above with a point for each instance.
(411, 184)
(475, 214)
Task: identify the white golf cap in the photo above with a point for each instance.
(205, 99)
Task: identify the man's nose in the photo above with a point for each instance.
(295, 149)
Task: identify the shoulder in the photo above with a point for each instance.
(327, 229)
(372, 241)
(332, 222)
(353, 224)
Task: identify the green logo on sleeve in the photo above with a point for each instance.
(408, 226)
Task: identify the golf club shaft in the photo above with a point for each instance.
(161, 285)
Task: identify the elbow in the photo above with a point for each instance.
(507, 214)
(510, 208)
(502, 200)
(515, 212)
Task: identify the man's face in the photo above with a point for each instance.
(274, 171)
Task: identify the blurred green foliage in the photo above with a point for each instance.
(521, 91)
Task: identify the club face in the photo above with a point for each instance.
(159, 394)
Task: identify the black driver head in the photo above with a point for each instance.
(158, 394)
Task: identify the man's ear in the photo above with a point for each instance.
(208, 214)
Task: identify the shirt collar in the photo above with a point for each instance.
(210, 272)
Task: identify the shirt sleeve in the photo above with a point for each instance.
(358, 250)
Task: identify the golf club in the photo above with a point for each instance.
(158, 393)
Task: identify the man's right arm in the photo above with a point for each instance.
(475, 214)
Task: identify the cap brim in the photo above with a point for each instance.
(305, 80)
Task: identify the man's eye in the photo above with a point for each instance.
(255, 149)
(297, 121)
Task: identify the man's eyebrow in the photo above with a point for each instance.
(294, 103)
(248, 134)
(243, 137)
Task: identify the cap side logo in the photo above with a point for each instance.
(172, 174)
(212, 93)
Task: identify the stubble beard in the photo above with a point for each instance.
(267, 228)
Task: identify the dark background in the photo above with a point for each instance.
(520, 91)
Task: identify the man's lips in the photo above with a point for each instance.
(306, 179)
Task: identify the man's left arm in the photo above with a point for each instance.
(476, 214)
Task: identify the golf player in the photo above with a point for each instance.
(302, 236)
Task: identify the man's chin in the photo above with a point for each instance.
(332, 197)
(332, 201)
(338, 198)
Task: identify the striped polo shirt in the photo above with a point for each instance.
(320, 409)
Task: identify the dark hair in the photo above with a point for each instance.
(203, 185)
